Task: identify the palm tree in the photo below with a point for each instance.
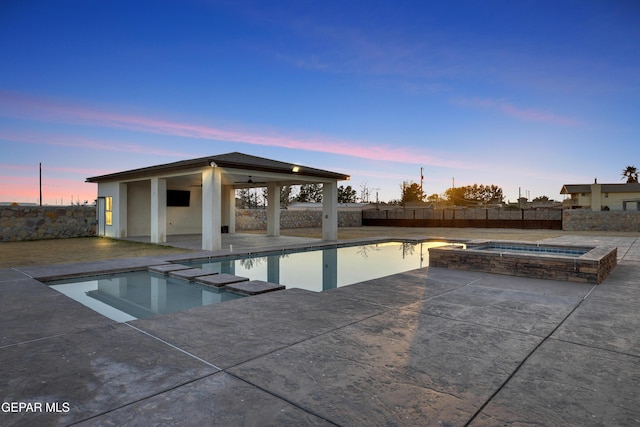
(631, 173)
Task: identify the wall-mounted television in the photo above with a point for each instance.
(178, 197)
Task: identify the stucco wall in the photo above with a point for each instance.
(46, 222)
(611, 200)
(587, 220)
(614, 200)
(186, 219)
(139, 201)
(180, 219)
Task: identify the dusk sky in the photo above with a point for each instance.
(525, 95)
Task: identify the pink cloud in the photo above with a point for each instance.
(508, 109)
(54, 190)
(22, 106)
(73, 141)
(32, 169)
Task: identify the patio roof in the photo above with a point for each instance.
(240, 162)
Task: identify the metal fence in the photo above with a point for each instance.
(474, 217)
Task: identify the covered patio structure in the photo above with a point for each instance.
(197, 196)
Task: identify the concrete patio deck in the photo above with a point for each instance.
(426, 347)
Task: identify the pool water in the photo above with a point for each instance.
(321, 270)
(135, 295)
(139, 294)
(538, 250)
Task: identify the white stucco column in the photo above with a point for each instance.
(211, 209)
(229, 207)
(330, 211)
(122, 210)
(158, 210)
(273, 209)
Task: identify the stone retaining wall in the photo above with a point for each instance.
(587, 220)
(256, 219)
(46, 222)
(58, 222)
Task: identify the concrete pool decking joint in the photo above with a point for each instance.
(426, 347)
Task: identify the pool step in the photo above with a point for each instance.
(231, 283)
(253, 287)
(220, 280)
(167, 268)
(190, 273)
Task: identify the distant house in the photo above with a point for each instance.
(602, 196)
(197, 196)
(17, 204)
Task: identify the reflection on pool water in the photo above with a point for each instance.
(320, 270)
(141, 294)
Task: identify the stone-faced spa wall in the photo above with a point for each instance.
(593, 267)
(46, 222)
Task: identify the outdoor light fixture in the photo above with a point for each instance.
(295, 169)
(213, 165)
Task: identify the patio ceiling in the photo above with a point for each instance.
(240, 179)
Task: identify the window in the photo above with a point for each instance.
(108, 210)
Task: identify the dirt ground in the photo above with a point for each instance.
(61, 251)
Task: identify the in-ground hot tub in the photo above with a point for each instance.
(555, 262)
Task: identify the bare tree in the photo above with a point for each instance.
(364, 192)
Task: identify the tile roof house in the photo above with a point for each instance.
(198, 196)
(602, 196)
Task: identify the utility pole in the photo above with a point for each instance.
(40, 183)
(453, 186)
(376, 190)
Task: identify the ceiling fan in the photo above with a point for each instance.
(249, 181)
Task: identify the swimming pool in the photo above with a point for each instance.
(133, 295)
(320, 270)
